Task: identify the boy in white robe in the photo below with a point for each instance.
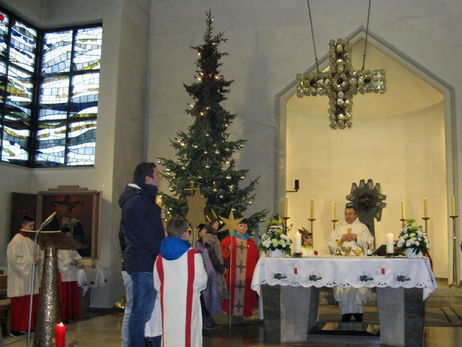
(351, 235)
(179, 277)
(20, 256)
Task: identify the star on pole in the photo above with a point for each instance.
(195, 215)
(231, 223)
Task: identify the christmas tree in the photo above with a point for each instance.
(204, 155)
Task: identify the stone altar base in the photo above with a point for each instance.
(291, 315)
(289, 312)
(401, 316)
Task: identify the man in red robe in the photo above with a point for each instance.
(244, 258)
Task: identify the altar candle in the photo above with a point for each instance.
(60, 335)
(298, 243)
(333, 210)
(286, 207)
(390, 248)
(312, 209)
(425, 208)
(403, 210)
(453, 205)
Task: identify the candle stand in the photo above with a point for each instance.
(426, 219)
(311, 224)
(403, 222)
(333, 223)
(284, 223)
(454, 283)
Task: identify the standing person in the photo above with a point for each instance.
(210, 297)
(20, 256)
(128, 291)
(180, 276)
(212, 243)
(244, 259)
(68, 261)
(143, 231)
(351, 234)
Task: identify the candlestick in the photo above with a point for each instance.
(312, 208)
(333, 210)
(453, 205)
(286, 206)
(298, 243)
(284, 224)
(426, 219)
(454, 253)
(425, 207)
(60, 335)
(333, 223)
(311, 220)
(390, 244)
(403, 209)
(297, 185)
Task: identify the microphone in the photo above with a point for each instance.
(48, 220)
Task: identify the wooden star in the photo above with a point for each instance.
(196, 205)
(231, 223)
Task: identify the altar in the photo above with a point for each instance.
(290, 291)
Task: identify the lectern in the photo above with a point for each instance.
(49, 313)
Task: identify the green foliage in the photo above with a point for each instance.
(204, 154)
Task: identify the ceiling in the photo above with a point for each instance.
(406, 92)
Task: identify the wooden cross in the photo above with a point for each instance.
(340, 83)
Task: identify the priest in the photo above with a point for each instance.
(349, 238)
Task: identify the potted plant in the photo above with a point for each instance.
(275, 242)
(412, 240)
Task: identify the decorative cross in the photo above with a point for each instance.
(192, 187)
(241, 246)
(240, 267)
(340, 83)
(238, 306)
(240, 286)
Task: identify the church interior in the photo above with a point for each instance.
(407, 139)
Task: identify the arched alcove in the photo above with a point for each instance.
(402, 139)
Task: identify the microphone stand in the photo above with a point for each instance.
(44, 224)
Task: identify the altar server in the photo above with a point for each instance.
(349, 236)
(244, 260)
(68, 261)
(20, 257)
(179, 277)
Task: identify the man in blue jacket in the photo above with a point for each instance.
(143, 230)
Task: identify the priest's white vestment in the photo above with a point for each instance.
(351, 300)
(179, 283)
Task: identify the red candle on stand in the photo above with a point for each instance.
(60, 334)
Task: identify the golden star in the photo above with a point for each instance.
(196, 205)
(231, 223)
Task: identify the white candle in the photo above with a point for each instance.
(390, 248)
(312, 209)
(286, 207)
(425, 208)
(298, 242)
(333, 210)
(403, 210)
(453, 205)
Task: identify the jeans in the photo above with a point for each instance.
(128, 306)
(144, 296)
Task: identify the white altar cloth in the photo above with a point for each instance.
(333, 271)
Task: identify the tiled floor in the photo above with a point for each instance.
(443, 326)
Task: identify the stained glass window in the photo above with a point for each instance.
(18, 46)
(69, 96)
(62, 115)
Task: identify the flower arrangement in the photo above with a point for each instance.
(413, 237)
(275, 239)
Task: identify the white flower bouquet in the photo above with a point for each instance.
(275, 239)
(413, 237)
